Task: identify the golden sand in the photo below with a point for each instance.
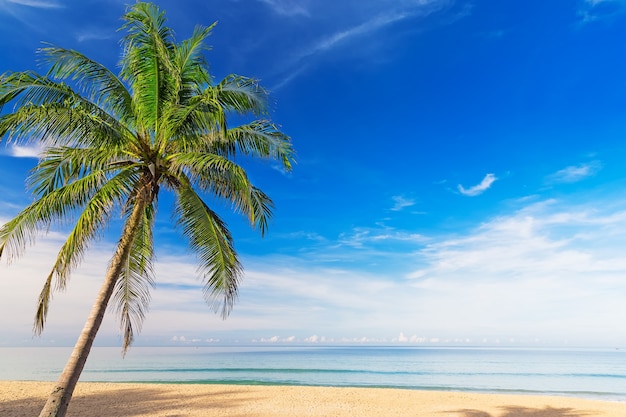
(25, 399)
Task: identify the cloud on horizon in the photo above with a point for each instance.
(548, 270)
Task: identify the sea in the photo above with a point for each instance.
(585, 373)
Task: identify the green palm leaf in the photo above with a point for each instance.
(97, 82)
(55, 115)
(227, 180)
(242, 95)
(212, 243)
(191, 65)
(56, 206)
(260, 138)
(132, 290)
(147, 64)
(59, 166)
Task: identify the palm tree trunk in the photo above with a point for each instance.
(60, 397)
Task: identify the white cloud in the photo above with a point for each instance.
(30, 151)
(541, 266)
(361, 237)
(97, 35)
(575, 173)
(548, 271)
(287, 7)
(401, 203)
(313, 339)
(25, 10)
(378, 20)
(479, 188)
(594, 3)
(595, 10)
(331, 41)
(370, 26)
(38, 4)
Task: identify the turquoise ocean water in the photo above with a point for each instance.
(596, 374)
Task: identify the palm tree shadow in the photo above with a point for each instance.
(129, 402)
(516, 411)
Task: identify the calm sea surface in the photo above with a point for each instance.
(597, 374)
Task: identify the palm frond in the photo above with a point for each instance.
(226, 180)
(187, 124)
(90, 222)
(57, 206)
(191, 65)
(147, 65)
(132, 290)
(260, 138)
(212, 243)
(261, 207)
(59, 166)
(30, 88)
(43, 303)
(205, 113)
(242, 95)
(54, 114)
(97, 82)
(144, 22)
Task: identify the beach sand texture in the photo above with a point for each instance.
(25, 399)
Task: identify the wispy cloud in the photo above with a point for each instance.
(333, 40)
(544, 240)
(343, 36)
(575, 173)
(403, 10)
(101, 34)
(38, 4)
(478, 189)
(287, 7)
(401, 202)
(360, 237)
(594, 10)
(25, 10)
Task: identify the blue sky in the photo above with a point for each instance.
(459, 177)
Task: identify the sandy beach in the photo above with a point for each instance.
(24, 399)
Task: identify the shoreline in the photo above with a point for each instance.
(161, 399)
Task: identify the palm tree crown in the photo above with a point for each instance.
(113, 141)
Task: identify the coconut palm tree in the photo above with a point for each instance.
(111, 143)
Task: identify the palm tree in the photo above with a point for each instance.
(111, 143)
